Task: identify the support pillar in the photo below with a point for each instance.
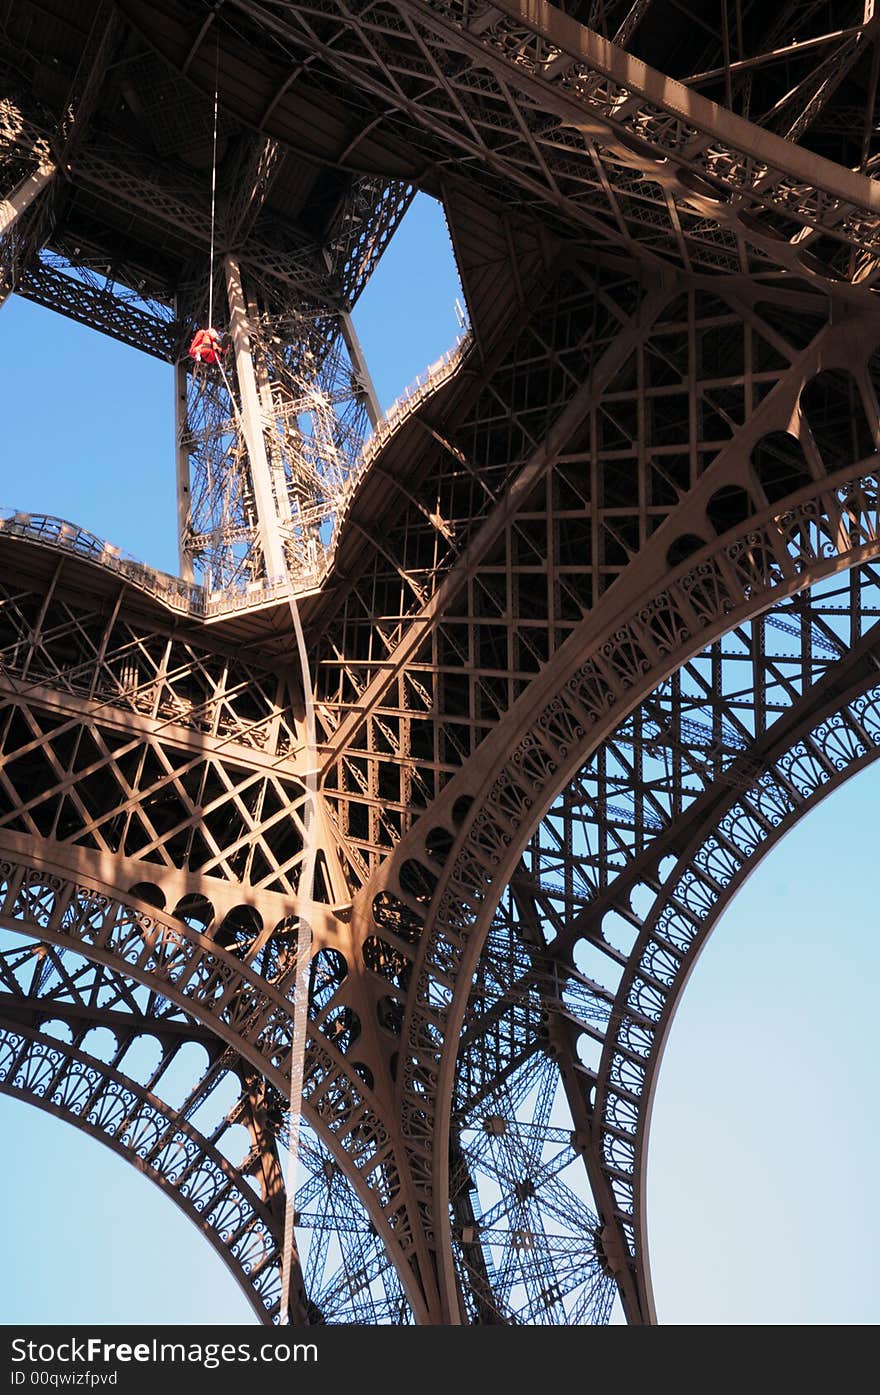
(181, 451)
(252, 423)
(361, 371)
(23, 196)
(358, 361)
(262, 1124)
(276, 463)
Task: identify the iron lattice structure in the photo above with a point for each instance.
(592, 617)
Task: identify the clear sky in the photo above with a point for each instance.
(765, 1143)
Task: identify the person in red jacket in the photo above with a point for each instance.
(206, 347)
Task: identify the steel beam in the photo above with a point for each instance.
(181, 462)
(252, 424)
(21, 198)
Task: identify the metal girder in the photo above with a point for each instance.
(657, 831)
(155, 1139)
(594, 626)
(245, 1010)
(104, 1069)
(606, 143)
(114, 311)
(497, 806)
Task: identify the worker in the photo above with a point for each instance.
(206, 347)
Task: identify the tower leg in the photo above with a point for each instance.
(359, 363)
(182, 469)
(252, 424)
(22, 197)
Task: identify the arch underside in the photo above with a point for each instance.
(129, 1068)
(526, 1266)
(593, 941)
(616, 891)
(666, 422)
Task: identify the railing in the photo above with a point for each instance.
(171, 590)
(424, 386)
(198, 600)
(39, 527)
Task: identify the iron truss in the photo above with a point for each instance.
(592, 617)
(120, 235)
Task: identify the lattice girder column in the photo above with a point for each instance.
(812, 532)
(27, 174)
(271, 436)
(631, 867)
(104, 1070)
(252, 425)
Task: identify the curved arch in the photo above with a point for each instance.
(141, 1129)
(820, 758)
(832, 526)
(810, 744)
(249, 1014)
(164, 1144)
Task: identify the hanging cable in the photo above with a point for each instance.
(214, 180)
(206, 348)
(305, 908)
(303, 960)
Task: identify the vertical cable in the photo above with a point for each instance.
(305, 908)
(214, 181)
(305, 891)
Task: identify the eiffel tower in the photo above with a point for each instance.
(590, 618)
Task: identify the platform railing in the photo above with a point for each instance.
(194, 599)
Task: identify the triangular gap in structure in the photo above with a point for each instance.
(323, 890)
(273, 801)
(487, 600)
(88, 840)
(137, 836)
(261, 868)
(43, 816)
(64, 743)
(127, 763)
(200, 853)
(214, 787)
(626, 377)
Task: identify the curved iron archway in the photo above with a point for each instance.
(244, 1010)
(823, 530)
(144, 1131)
(822, 756)
(83, 1043)
(710, 788)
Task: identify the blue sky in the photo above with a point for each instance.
(765, 1142)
